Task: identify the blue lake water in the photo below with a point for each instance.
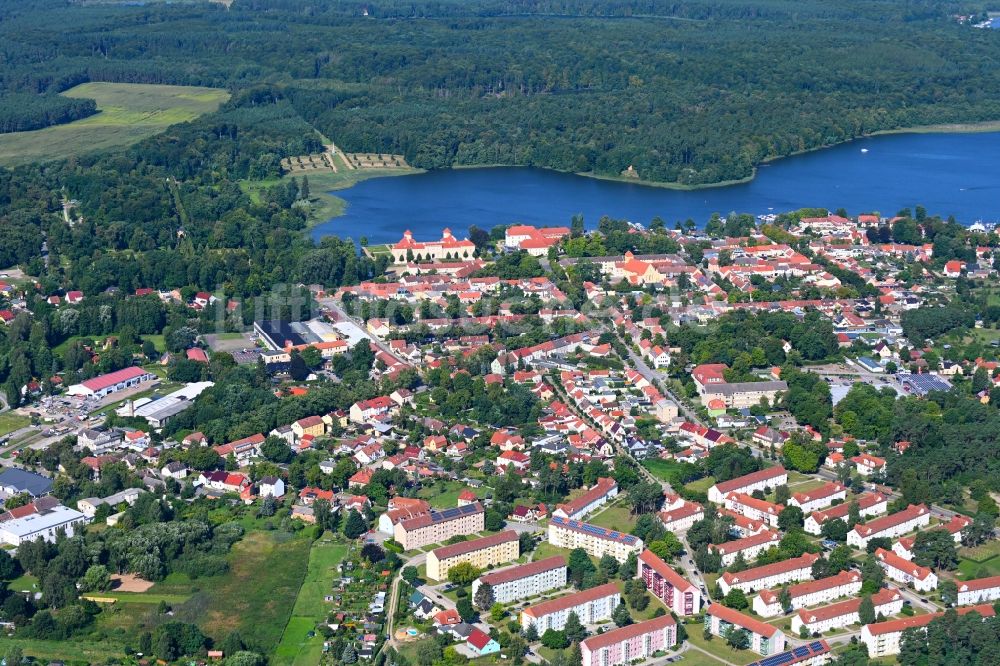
(949, 174)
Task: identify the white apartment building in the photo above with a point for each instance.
(765, 639)
(769, 575)
(809, 593)
(979, 591)
(597, 496)
(750, 546)
(897, 524)
(591, 606)
(883, 638)
(772, 477)
(906, 572)
(820, 498)
(888, 602)
(524, 581)
(869, 504)
(753, 508)
(597, 541)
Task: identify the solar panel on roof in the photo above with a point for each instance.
(816, 647)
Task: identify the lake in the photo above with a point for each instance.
(949, 174)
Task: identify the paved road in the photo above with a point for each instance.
(342, 315)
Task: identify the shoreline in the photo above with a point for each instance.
(332, 206)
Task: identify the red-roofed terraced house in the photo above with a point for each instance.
(883, 638)
(772, 477)
(769, 575)
(888, 602)
(897, 524)
(809, 593)
(598, 495)
(904, 571)
(979, 590)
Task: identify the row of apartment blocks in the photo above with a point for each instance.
(524, 581)
(597, 541)
(486, 552)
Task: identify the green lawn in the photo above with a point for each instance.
(127, 113)
(77, 650)
(144, 597)
(9, 422)
(717, 646)
(615, 517)
(983, 559)
(158, 342)
(701, 485)
(296, 647)
(26, 582)
(442, 495)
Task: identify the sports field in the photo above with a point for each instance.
(127, 113)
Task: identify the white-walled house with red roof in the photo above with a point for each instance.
(883, 638)
(764, 479)
(888, 602)
(819, 498)
(978, 591)
(906, 572)
(897, 524)
(765, 639)
(869, 504)
(808, 593)
(753, 508)
(769, 575)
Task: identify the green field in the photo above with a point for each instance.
(9, 422)
(296, 647)
(616, 517)
(127, 113)
(982, 559)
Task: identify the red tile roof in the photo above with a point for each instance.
(768, 570)
(659, 566)
(444, 552)
(741, 620)
(524, 570)
(754, 477)
(892, 626)
(884, 596)
(571, 600)
(625, 633)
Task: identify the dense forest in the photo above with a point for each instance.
(693, 92)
